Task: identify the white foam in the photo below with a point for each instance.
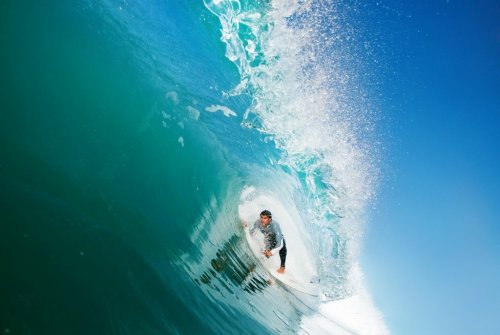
(180, 140)
(353, 315)
(193, 113)
(173, 97)
(225, 110)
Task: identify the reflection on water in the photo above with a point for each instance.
(234, 268)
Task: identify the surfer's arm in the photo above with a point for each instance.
(277, 248)
(279, 237)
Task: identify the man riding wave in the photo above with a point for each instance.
(273, 238)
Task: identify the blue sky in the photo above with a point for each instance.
(432, 250)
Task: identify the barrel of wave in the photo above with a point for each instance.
(300, 262)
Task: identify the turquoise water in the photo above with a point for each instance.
(120, 188)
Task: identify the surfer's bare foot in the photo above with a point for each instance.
(281, 269)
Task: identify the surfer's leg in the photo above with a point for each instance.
(283, 254)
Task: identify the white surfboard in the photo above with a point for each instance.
(272, 264)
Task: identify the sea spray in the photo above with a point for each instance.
(287, 65)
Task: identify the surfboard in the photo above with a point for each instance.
(271, 264)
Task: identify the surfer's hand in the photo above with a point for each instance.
(267, 253)
(244, 223)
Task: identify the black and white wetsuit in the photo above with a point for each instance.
(273, 238)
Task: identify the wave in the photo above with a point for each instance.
(292, 124)
(165, 139)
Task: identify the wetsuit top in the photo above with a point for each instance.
(273, 238)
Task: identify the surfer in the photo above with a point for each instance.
(273, 238)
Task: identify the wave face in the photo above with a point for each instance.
(134, 136)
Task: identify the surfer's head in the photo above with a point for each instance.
(265, 217)
(266, 213)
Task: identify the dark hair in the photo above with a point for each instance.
(266, 213)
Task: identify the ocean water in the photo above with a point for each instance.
(134, 137)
